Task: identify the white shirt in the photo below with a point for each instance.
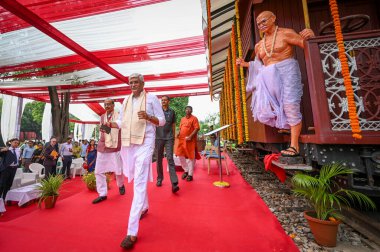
(153, 108)
(65, 149)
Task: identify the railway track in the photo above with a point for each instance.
(365, 223)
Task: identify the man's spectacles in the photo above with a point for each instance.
(263, 21)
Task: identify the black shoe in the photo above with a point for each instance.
(159, 183)
(122, 190)
(184, 175)
(99, 199)
(128, 243)
(144, 213)
(189, 178)
(175, 188)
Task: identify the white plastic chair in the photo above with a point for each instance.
(39, 169)
(76, 165)
(59, 165)
(23, 178)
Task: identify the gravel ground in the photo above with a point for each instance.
(289, 210)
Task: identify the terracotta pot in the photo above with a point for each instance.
(324, 231)
(50, 201)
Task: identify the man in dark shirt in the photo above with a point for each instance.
(165, 139)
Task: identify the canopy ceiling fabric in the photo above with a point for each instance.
(163, 40)
(222, 17)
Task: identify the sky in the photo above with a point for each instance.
(203, 106)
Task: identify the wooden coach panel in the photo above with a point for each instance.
(259, 132)
(328, 97)
(319, 11)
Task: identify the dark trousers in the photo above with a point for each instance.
(66, 165)
(50, 170)
(166, 145)
(6, 180)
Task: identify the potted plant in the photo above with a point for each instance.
(49, 188)
(90, 180)
(326, 198)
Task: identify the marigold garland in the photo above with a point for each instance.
(242, 82)
(209, 44)
(239, 113)
(222, 107)
(226, 107)
(352, 113)
(229, 99)
(232, 95)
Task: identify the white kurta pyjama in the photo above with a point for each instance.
(108, 162)
(137, 160)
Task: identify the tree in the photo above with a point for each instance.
(59, 113)
(60, 109)
(213, 119)
(178, 104)
(71, 124)
(31, 119)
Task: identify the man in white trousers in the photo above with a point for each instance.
(108, 156)
(141, 113)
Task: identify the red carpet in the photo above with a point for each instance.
(200, 217)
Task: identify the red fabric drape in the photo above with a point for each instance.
(280, 173)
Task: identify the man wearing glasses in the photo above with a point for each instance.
(51, 156)
(140, 115)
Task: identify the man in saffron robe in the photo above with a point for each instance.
(108, 156)
(138, 118)
(187, 143)
(275, 78)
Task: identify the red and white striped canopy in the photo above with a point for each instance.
(91, 46)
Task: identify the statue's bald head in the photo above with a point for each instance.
(265, 20)
(265, 14)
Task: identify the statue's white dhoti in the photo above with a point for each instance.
(276, 93)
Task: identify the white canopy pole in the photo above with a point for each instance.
(47, 126)
(11, 117)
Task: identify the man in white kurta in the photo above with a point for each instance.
(108, 154)
(140, 114)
